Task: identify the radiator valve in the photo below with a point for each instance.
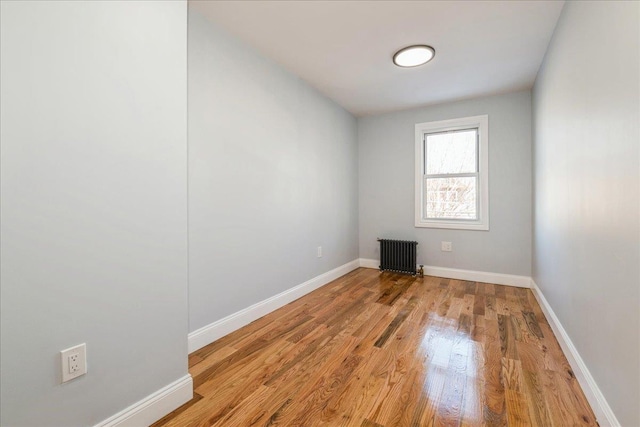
(421, 270)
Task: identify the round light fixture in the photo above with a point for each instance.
(412, 56)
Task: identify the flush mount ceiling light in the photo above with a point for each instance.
(412, 56)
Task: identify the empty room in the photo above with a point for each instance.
(319, 213)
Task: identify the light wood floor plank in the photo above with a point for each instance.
(379, 350)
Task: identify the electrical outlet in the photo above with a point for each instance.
(319, 251)
(74, 362)
(74, 365)
(446, 246)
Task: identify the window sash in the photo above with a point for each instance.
(426, 135)
(425, 197)
(475, 175)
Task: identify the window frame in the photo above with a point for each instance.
(482, 157)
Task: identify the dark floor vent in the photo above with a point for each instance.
(398, 255)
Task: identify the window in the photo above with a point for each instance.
(452, 187)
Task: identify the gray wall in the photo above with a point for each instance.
(94, 214)
(386, 150)
(586, 253)
(272, 176)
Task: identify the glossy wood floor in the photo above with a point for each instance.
(372, 349)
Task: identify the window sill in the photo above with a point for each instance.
(453, 225)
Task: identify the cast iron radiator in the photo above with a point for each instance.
(398, 255)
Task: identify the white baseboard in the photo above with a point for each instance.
(601, 408)
(153, 407)
(208, 334)
(369, 263)
(455, 273)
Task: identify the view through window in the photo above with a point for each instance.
(451, 175)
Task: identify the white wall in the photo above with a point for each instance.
(272, 176)
(386, 151)
(587, 211)
(94, 214)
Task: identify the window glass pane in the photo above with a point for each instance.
(451, 152)
(452, 198)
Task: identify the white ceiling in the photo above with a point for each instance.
(344, 48)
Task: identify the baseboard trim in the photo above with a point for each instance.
(604, 413)
(369, 263)
(208, 334)
(153, 407)
(455, 273)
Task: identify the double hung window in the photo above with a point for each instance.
(452, 188)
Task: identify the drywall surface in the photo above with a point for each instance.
(272, 176)
(387, 197)
(587, 211)
(94, 213)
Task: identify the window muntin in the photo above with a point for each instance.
(452, 174)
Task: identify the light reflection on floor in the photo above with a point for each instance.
(446, 351)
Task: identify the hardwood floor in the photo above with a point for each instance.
(372, 349)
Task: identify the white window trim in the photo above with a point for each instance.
(480, 122)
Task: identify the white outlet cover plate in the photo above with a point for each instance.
(65, 355)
